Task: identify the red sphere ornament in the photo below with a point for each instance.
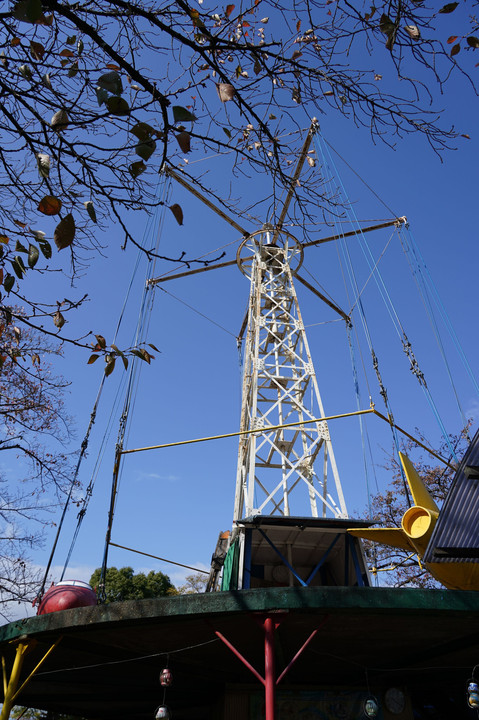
(166, 677)
(65, 595)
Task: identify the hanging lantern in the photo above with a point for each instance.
(473, 695)
(166, 677)
(163, 713)
(371, 708)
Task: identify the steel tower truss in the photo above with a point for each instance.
(281, 470)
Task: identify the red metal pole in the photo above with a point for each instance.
(239, 655)
(269, 669)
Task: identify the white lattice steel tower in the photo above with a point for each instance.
(281, 470)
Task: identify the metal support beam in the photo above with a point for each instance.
(294, 179)
(269, 669)
(360, 231)
(176, 176)
(270, 681)
(10, 685)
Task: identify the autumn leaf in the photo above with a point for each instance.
(58, 319)
(413, 32)
(64, 232)
(451, 39)
(455, 49)
(388, 28)
(50, 205)
(473, 41)
(101, 342)
(225, 92)
(177, 212)
(229, 10)
(60, 121)
(37, 50)
(43, 163)
(90, 210)
(184, 141)
(110, 366)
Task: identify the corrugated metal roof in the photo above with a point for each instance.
(456, 535)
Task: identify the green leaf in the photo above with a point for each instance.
(19, 247)
(18, 267)
(142, 131)
(8, 282)
(33, 255)
(101, 96)
(117, 105)
(137, 168)
(45, 247)
(73, 69)
(28, 10)
(64, 232)
(181, 114)
(90, 210)
(227, 132)
(145, 149)
(449, 8)
(111, 81)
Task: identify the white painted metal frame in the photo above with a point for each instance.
(282, 471)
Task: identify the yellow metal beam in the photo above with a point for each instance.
(10, 685)
(249, 432)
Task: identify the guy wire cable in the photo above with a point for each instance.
(400, 330)
(88, 493)
(362, 314)
(146, 307)
(422, 288)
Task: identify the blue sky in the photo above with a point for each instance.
(172, 503)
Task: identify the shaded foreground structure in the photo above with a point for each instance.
(413, 650)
